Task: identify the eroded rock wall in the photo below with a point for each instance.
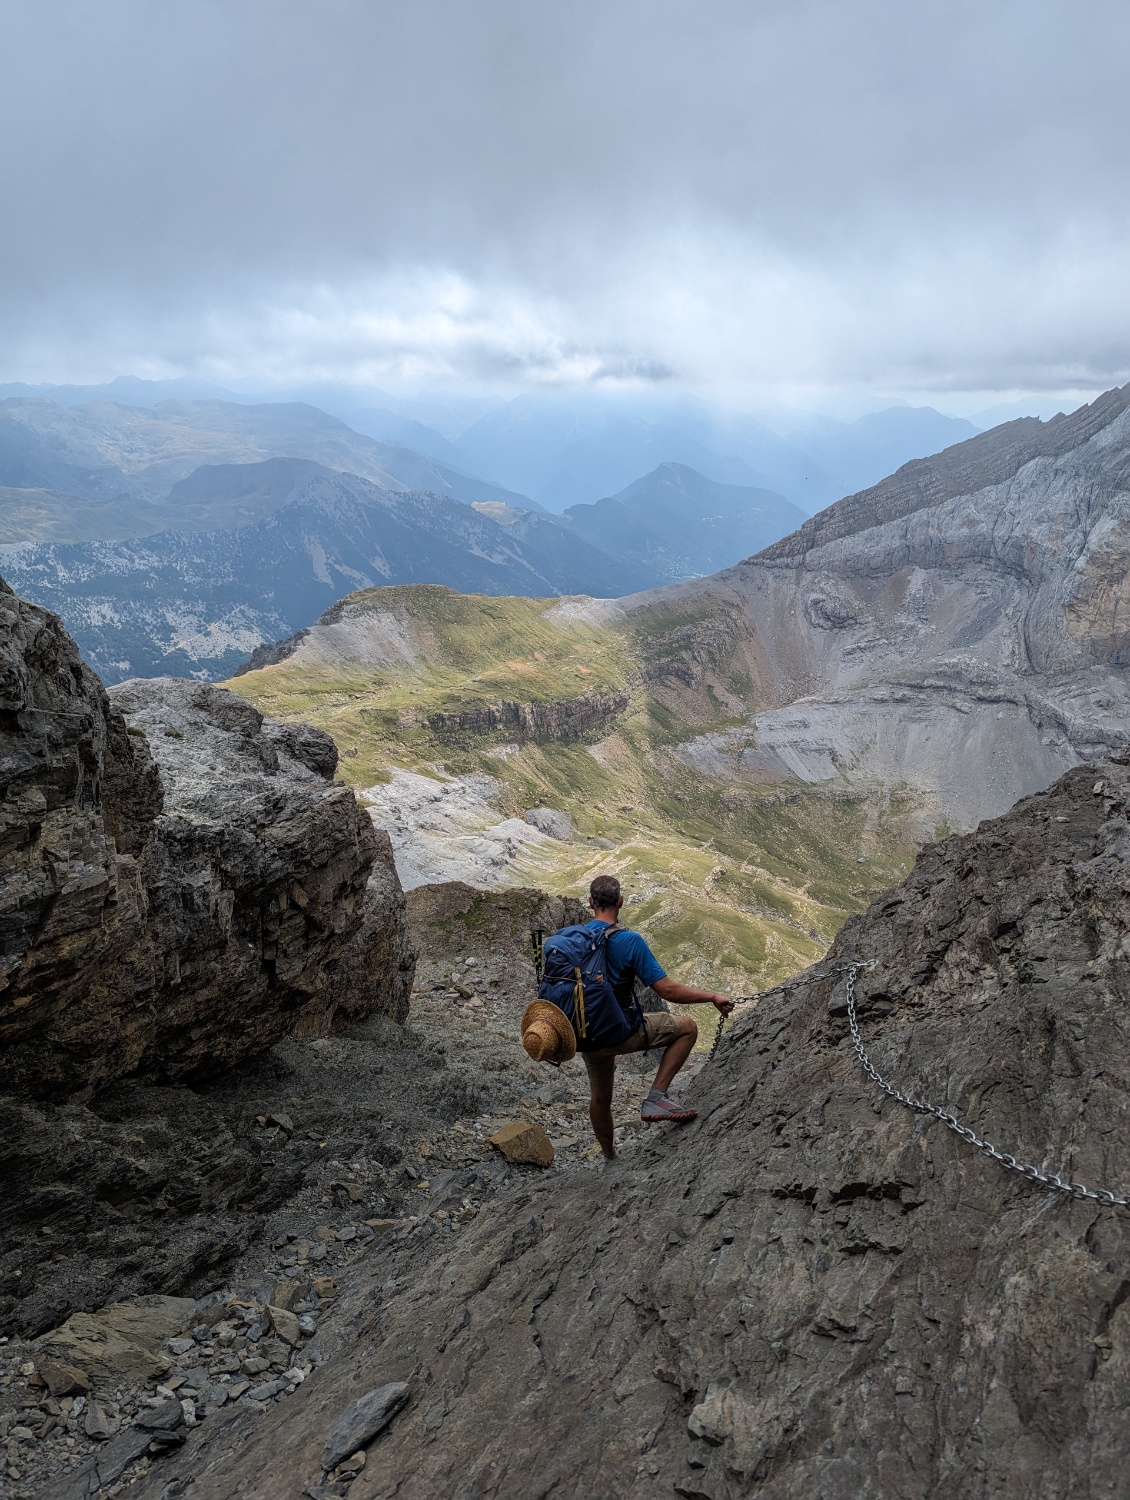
(182, 881)
(959, 630)
(565, 719)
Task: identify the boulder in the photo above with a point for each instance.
(524, 1142)
(181, 882)
(285, 1325)
(124, 1339)
(62, 1380)
(558, 825)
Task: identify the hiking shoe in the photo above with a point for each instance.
(658, 1107)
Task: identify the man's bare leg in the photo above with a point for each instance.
(600, 1113)
(676, 1053)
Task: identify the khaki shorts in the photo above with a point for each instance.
(659, 1029)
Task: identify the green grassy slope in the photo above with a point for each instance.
(736, 885)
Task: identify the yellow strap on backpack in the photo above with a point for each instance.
(579, 1003)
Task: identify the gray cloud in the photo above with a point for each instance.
(791, 194)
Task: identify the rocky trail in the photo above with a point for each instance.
(362, 1153)
(810, 1290)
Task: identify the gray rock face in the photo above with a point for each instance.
(810, 1290)
(959, 629)
(361, 1420)
(182, 885)
(559, 825)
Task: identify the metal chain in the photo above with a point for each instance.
(717, 1039)
(738, 1000)
(920, 1106)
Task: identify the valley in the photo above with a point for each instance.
(735, 883)
(758, 752)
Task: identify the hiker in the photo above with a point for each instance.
(616, 958)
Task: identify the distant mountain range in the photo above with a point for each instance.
(555, 449)
(568, 449)
(176, 535)
(577, 449)
(197, 603)
(106, 470)
(675, 523)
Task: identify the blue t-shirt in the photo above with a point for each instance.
(628, 957)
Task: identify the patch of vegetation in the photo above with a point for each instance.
(736, 885)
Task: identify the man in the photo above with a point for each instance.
(627, 957)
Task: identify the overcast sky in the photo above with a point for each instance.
(768, 199)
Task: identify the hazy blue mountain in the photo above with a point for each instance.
(449, 413)
(415, 471)
(566, 449)
(196, 603)
(861, 453)
(108, 468)
(128, 390)
(390, 427)
(1008, 411)
(222, 497)
(676, 523)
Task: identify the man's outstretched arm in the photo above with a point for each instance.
(686, 994)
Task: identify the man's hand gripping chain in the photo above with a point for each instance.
(737, 1000)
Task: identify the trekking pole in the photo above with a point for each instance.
(537, 938)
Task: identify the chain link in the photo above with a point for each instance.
(738, 1000)
(922, 1107)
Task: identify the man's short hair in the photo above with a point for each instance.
(604, 892)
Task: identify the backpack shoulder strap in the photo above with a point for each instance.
(600, 939)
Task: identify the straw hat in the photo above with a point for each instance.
(547, 1033)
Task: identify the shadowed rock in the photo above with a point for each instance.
(182, 885)
(177, 891)
(360, 1422)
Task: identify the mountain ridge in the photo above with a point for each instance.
(106, 453)
(990, 458)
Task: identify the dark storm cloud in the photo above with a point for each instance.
(814, 192)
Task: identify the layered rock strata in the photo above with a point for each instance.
(563, 719)
(811, 1290)
(182, 882)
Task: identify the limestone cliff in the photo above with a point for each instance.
(182, 881)
(960, 628)
(566, 719)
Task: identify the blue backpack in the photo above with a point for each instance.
(572, 977)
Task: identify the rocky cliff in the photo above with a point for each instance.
(183, 883)
(566, 719)
(811, 1290)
